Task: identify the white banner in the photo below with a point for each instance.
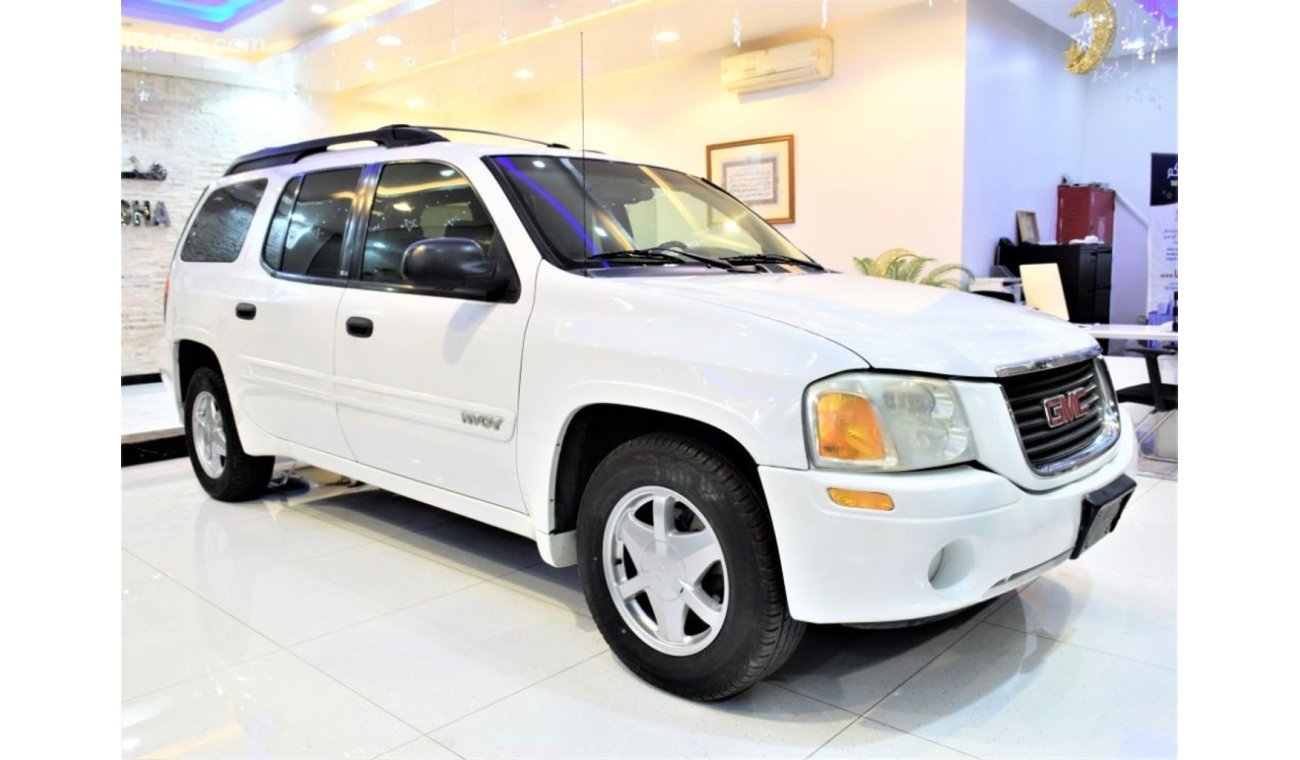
(1162, 239)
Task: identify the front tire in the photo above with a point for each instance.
(680, 568)
(218, 458)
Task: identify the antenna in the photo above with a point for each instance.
(582, 121)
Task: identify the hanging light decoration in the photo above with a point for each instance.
(735, 27)
(1099, 33)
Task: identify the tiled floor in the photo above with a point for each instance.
(328, 622)
(148, 412)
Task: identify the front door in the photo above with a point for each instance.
(427, 385)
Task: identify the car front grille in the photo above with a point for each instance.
(1078, 398)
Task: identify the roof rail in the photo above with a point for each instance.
(561, 146)
(391, 136)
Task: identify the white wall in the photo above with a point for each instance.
(1024, 126)
(1122, 128)
(194, 129)
(877, 147)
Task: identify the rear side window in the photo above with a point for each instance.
(311, 218)
(222, 223)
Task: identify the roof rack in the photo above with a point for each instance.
(391, 136)
(561, 146)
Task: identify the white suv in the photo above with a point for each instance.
(625, 364)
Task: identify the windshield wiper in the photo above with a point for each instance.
(661, 254)
(773, 258)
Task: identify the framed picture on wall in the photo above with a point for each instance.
(760, 173)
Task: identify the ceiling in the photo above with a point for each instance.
(291, 44)
(1137, 20)
(441, 49)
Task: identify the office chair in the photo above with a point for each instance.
(1163, 398)
(1156, 393)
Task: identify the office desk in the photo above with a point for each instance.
(1163, 332)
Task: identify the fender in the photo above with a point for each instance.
(607, 342)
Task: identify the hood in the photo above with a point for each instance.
(892, 325)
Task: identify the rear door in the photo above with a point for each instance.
(430, 390)
(286, 326)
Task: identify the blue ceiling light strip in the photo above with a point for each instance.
(209, 15)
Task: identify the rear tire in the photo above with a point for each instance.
(716, 553)
(216, 454)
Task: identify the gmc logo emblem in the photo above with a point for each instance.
(1064, 408)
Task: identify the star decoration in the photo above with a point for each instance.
(1105, 72)
(1145, 94)
(1084, 36)
(144, 96)
(409, 224)
(369, 64)
(1160, 35)
(557, 21)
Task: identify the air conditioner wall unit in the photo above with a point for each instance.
(796, 63)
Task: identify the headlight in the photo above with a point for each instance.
(885, 423)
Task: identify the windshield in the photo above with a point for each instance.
(635, 208)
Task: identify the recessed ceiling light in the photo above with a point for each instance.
(414, 102)
(389, 40)
(319, 9)
(524, 74)
(667, 35)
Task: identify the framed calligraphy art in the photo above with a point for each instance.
(759, 173)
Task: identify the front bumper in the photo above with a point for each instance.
(858, 566)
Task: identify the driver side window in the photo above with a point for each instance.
(414, 202)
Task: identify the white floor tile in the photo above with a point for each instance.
(1138, 546)
(1003, 693)
(1118, 613)
(423, 748)
(1155, 506)
(555, 585)
(470, 546)
(222, 544)
(166, 500)
(148, 410)
(142, 583)
(599, 710)
(377, 514)
(854, 669)
(435, 662)
(867, 738)
(175, 636)
(274, 706)
(293, 603)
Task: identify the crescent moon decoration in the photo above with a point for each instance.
(1101, 16)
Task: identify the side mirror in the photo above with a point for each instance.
(455, 264)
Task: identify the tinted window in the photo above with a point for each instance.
(586, 207)
(306, 235)
(417, 201)
(273, 253)
(222, 223)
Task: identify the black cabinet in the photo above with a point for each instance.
(1085, 274)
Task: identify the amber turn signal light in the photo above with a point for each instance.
(847, 428)
(861, 499)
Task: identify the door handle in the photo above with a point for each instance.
(360, 327)
(245, 310)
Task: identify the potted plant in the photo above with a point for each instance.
(908, 266)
